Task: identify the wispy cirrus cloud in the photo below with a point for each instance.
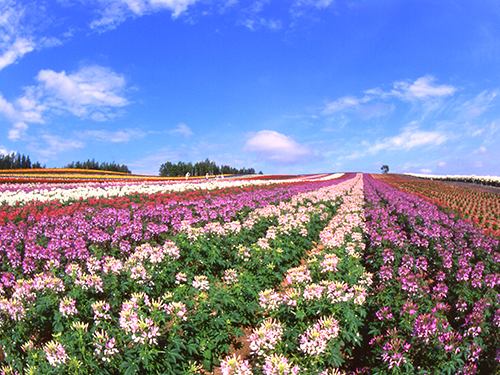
(182, 129)
(113, 12)
(421, 90)
(479, 104)
(118, 136)
(278, 148)
(15, 39)
(55, 145)
(411, 137)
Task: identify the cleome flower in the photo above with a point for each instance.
(235, 366)
(55, 353)
(266, 336)
(316, 338)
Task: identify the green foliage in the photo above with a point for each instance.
(17, 161)
(200, 168)
(94, 165)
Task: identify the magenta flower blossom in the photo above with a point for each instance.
(410, 308)
(385, 313)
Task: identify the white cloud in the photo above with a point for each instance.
(346, 102)
(426, 170)
(410, 138)
(120, 136)
(14, 51)
(57, 145)
(114, 12)
(315, 3)
(374, 101)
(15, 40)
(420, 89)
(81, 93)
(479, 104)
(7, 108)
(277, 148)
(182, 129)
(92, 92)
(482, 149)
(17, 131)
(478, 164)
(442, 164)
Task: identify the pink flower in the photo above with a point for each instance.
(67, 307)
(55, 353)
(235, 366)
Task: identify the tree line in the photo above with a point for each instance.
(94, 165)
(18, 161)
(200, 168)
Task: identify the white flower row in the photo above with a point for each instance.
(54, 192)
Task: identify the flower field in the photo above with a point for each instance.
(336, 274)
(483, 208)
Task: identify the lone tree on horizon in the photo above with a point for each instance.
(385, 168)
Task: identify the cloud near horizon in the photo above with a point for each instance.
(278, 148)
(411, 137)
(422, 89)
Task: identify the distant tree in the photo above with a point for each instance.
(16, 160)
(200, 168)
(94, 165)
(385, 168)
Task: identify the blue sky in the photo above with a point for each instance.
(298, 86)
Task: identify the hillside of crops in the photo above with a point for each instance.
(325, 274)
(481, 207)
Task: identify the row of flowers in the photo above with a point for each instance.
(483, 208)
(312, 320)
(435, 306)
(347, 275)
(14, 194)
(483, 180)
(168, 304)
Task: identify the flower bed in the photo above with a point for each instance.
(336, 276)
(483, 180)
(435, 306)
(108, 288)
(481, 207)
